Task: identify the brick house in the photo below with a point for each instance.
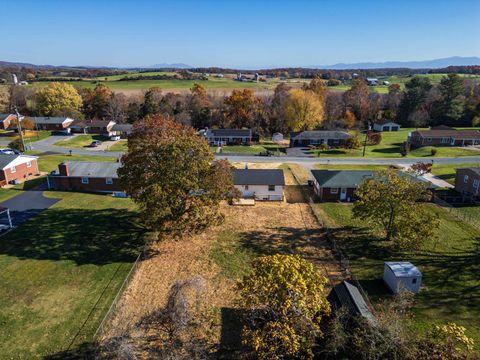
(59, 123)
(260, 184)
(101, 127)
(5, 120)
(17, 168)
(467, 182)
(319, 137)
(86, 176)
(444, 136)
(340, 185)
(228, 136)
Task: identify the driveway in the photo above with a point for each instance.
(27, 205)
(298, 152)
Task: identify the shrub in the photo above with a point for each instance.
(16, 144)
(405, 148)
(374, 138)
(353, 143)
(286, 302)
(433, 151)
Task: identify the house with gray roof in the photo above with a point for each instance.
(6, 119)
(17, 168)
(340, 185)
(89, 176)
(218, 137)
(260, 184)
(53, 123)
(319, 137)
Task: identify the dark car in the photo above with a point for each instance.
(95, 143)
(265, 153)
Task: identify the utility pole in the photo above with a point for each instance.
(19, 127)
(366, 137)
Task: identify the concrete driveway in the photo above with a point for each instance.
(27, 205)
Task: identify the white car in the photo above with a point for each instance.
(7, 151)
(115, 137)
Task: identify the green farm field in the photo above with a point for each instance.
(450, 266)
(60, 271)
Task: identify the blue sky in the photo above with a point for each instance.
(236, 33)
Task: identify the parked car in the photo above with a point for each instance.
(115, 137)
(265, 153)
(95, 143)
(10, 152)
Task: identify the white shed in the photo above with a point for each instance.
(402, 275)
(277, 137)
(386, 126)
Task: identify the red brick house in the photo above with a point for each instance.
(61, 124)
(5, 120)
(319, 137)
(467, 182)
(101, 127)
(86, 176)
(15, 168)
(444, 136)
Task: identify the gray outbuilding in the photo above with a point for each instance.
(402, 276)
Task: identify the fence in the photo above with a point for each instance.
(468, 218)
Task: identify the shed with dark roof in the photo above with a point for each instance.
(346, 295)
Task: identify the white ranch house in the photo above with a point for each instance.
(260, 184)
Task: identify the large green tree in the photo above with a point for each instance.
(393, 202)
(286, 299)
(58, 99)
(170, 172)
(414, 99)
(451, 106)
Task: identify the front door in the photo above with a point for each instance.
(343, 194)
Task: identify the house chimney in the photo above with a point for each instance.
(63, 169)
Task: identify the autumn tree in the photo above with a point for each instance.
(392, 101)
(393, 202)
(151, 101)
(285, 297)
(241, 108)
(318, 87)
(350, 119)
(303, 110)
(116, 108)
(357, 100)
(277, 108)
(170, 172)
(199, 106)
(58, 99)
(96, 100)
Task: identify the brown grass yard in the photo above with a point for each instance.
(221, 256)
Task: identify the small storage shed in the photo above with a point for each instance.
(277, 137)
(386, 125)
(402, 276)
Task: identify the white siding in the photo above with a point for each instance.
(261, 192)
(399, 284)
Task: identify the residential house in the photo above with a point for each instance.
(347, 296)
(5, 120)
(122, 130)
(90, 176)
(318, 137)
(101, 127)
(260, 184)
(444, 137)
(17, 168)
(386, 125)
(340, 185)
(228, 136)
(467, 182)
(58, 123)
(402, 276)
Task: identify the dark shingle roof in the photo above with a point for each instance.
(320, 134)
(347, 295)
(5, 159)
(231, 132)
(100, 169)
(258, 177)
(476, 170)
(456, 134)
(49, 120)
(353, 178)
(122, 127)
(4, 116)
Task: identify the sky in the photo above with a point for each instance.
(236, 34)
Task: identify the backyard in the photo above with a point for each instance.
(450, 266)
(60, 271)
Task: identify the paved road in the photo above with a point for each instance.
(46, 145)
(26, 205)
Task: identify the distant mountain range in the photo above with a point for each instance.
(425, 64)
(171, 66)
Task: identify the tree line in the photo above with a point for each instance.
(455, 101)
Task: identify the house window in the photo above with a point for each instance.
(84, 180)
(429, 139)
(246, 187)
(465, 179)
(476, 183)
(414, 281)
(109, 181)
(333, 190)
(271, 187)
(13, 169)
(445, 140)
(29, 164)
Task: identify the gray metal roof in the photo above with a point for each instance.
(403, 268)
(99, 169)
(258, 177)
(321, 134)
(122, 127)
(50, 120)
(4, 116)
(353, 178)
(348, 296)
(231, 132)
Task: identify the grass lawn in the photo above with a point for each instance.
(252, 149)
(48, 163)
(120, 145)
(60, 271)
(447, 171)
(450, 266)
(390, 148)
(80, 141)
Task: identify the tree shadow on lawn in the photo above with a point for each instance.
(84, 236)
